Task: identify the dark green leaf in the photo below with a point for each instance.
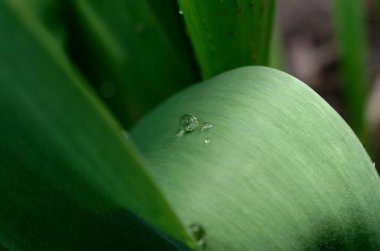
(68, 175)
(123, 49)
(167, 14)
(351, 41)
(51, 13)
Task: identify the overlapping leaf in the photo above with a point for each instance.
(69, 177)
(129, 55)
(227, 33)
(278, 169)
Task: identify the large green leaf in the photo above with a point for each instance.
(278, 169)
(227, 33)
(351, 33)
(69, 177)
(122, 46)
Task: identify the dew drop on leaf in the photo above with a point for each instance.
(180, 12)
(188, 122)
(205, 126)
(207, 141)
(199, 235)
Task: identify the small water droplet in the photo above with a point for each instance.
(188, 122)
(107, 89)
(180, 12)
(199, 234)
(207, 141)
(205, 126)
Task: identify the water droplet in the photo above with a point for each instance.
(205, 126)
(107, 89)
(207, 141)
(180, 12)
(199, 234)
(188, 122)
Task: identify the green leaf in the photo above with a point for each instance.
(281, 170)
(377, 4)
(276, 57)
(123, 45)
(69, 177)
(3, 248)
(351, 40)
(167, 14)
(51, 13)
(227, 33)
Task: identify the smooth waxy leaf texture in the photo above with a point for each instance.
(278, 169)
(69, 177)
(227, 33)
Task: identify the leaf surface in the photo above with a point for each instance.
(349, 17)
(128, 55)
(69, 176)
(278, 170)
(227, 33)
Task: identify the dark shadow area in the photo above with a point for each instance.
(334, 236)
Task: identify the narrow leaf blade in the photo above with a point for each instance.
(227, 34)
(351, 40)
(123, 44)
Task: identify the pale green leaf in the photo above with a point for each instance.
(281, 170)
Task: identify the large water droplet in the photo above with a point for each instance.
(188, 122)
(205, 126)
(199, 234)
(207, 141)
(180, 12)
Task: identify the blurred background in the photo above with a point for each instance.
(310, 52)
